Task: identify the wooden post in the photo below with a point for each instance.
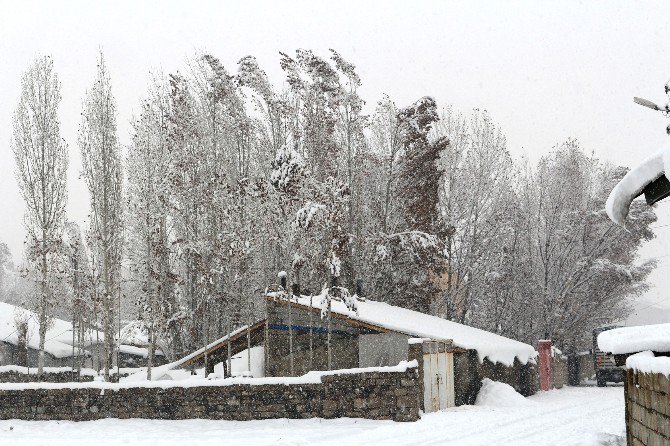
(290, 333)
(311, 335)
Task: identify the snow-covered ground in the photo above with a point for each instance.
(570, 416)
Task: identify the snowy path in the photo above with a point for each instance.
(571, 416)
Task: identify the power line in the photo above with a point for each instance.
(652, 304)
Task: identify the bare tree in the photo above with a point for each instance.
(41, 166)
(102, 172)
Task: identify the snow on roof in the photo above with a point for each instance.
(58, 340)
(137, 351)
(634, 182)
(488, 345)
(159, 372)
(635, 339)
(646, 362)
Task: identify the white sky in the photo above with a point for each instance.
(545, 71)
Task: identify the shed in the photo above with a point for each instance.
(369, 333)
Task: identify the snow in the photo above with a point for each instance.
(158, 372)
(634, 182)
(635, 339)
(58, 339)
(646, 362)
(137, 351)
(239, 364)
(488, 345)
(497, 394)
(568, 417)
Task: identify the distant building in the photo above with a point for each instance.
(60, 347)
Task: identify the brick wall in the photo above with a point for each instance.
(647, 408)
(375, 395)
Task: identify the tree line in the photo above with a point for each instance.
(228, 180)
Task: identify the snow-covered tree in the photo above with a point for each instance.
(102, 171)
(149, 226)
(41, 166)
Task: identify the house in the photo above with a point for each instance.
(645, 350)
(60, 347)
(134, 348)
(367, 333)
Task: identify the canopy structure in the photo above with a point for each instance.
(649, 178)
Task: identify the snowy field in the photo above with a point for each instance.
(570, 416)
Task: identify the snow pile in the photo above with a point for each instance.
(634, 183)
(646, 362)
(635, 339)
(497, 394)
(488, 345)
(239, 363)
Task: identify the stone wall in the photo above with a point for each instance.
(374, 395)
(469, 372)
(586, 366)
(559, 371)
(344, 341)
(48, 377)
(647, 408)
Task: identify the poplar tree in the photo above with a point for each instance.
(102, 172)
(41, 166)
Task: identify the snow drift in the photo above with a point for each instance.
(497, 394)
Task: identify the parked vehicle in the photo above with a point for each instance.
(603, 363)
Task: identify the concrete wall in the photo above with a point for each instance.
(647, 408)
(373, 395)
(382, 349)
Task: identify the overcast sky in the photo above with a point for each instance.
(545, 71)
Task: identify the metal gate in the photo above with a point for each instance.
(438, 375)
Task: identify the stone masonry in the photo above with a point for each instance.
(49, 377)
(375, 395)
(647, 409)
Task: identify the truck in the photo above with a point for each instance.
(604, 363)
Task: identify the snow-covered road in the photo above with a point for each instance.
(570, 416)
